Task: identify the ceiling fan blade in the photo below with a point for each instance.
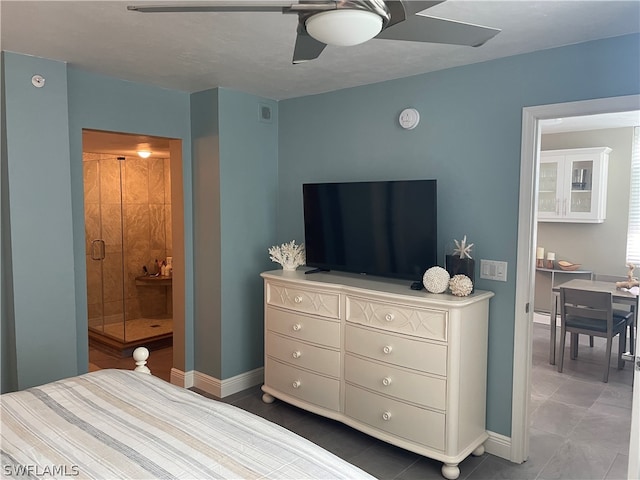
(400, 10)
(307, 48)
(420, 28)
(238, 6)
(232, 6)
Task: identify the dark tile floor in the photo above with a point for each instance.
(579, 425)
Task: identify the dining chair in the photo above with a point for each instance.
(590, 313)
(621, 310)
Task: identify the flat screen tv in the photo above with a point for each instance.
(386, 228)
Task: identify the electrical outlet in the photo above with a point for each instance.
(493, 270)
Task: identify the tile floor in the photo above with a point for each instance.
(579, 426)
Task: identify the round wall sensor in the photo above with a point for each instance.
(37, 81)
(409, 118)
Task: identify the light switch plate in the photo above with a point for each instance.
(493, 270)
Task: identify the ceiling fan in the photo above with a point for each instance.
(349, 22)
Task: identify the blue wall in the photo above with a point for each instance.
(248, 222)
(235, 158)
(469, 139)
(39, 211)
(206, 233)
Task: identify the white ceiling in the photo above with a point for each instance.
(251, 52)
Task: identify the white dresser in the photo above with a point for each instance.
(407, 367)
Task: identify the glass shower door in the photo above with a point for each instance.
(104, 245)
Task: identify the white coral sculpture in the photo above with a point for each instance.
(436, 280)
(462, 249)
(461, 285)
(289, 255)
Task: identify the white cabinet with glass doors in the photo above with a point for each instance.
(572, 185)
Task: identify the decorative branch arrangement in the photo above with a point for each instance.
(289, 255)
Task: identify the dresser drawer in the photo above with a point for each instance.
(412, 423)
(402, 351)
(304, 327)
(416, 321)
(304, 355)
(304, 300)
(412, 387)
(307, 386)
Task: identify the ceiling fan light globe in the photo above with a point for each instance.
(344, 28)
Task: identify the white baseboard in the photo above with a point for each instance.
(214, 386)
(498, 445)
(181, 379)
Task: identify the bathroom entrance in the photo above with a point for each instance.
(128, 241)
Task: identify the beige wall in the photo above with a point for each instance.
(128, 205)
(599, 247)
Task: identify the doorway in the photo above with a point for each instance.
(128, 241)
(531, 133)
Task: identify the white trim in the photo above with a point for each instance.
(181, 379)
(498, 445)
(526, 241)
(224, 388)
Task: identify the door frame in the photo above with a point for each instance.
(527, 235)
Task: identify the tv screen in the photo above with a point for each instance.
(385, 228)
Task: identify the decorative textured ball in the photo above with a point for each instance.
(461, 285)
(436, 280)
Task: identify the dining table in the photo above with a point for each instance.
(618, 295)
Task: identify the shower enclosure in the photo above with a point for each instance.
(127, 230)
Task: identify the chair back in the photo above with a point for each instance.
(579, 304)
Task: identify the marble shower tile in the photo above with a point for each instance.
(157, 227)
(137, 225)
(90, 175)
(167, 181)
(112, 277)
(135, 188)
(110, 181)
(156, 181)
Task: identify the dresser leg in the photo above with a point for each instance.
(266, 398)
(478, 451)
(450, 471)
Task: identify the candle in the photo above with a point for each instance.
(540, 252)
(550, 258)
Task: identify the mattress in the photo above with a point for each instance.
(125, 424)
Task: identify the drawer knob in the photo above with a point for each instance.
(386, 416)
(296, 384)
(387, 349)
(297, 299)
(296, 354)
(389, 317)
(297, 327)
(386, 381)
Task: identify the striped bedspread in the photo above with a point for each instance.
(114, 424)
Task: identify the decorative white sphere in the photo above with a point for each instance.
(436, 280)
(461, 285)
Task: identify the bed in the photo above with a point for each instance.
(127, 424)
